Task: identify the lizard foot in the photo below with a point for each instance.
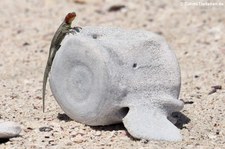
(77, 29)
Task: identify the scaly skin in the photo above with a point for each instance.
(61, 32)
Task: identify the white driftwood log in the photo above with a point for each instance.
(102, 76)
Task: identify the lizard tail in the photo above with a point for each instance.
(47, 70)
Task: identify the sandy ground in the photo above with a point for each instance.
(196, 34)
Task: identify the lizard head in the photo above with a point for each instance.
(70, 17)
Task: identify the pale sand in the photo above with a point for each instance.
(196, 34)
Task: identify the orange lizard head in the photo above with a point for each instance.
(70, 17)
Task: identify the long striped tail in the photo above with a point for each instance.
(46, 73)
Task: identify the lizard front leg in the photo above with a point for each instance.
(74, 30)
(77, 29)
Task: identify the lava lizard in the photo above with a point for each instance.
(61, 32)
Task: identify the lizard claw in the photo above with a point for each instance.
(77, 29)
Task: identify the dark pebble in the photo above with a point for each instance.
(63, 117)
(196, 76)
(218, 87)
(217, 132)
(188, 102)
(212, 91)
(26, 44)
(116, 8)
(198, 88)
(45, 129)
(215, 88)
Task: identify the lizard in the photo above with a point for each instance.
(59, 35)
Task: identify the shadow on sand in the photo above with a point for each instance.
(181, 121)
(3, 140)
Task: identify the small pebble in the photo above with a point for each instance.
(98, 133)
(217, 87)
(217, 132)
(191, 137)
(28, 129)
(212, 91)
(211, 136)
(80, 1)
(69, 144)
(26, 44)
(196, 76)
(78, 139)
(188, 102)
(116, 8)
(144, 141)
(45, 129)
